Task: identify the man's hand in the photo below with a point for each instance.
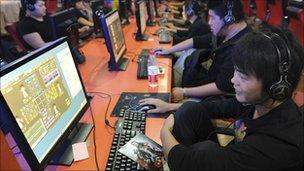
(161, 106)
(83, 29)
(161, 51)
(177, 94)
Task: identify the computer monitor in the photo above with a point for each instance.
(43, 99)
(115, 40)
(64, 23)
(156, 3)
(151, 13)
(141, 19)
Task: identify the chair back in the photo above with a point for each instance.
(12, 30)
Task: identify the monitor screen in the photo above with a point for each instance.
(44, 99)
(143, 16)
(116, 36)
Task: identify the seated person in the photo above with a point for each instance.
(82, 16)
(268, 126)
(196, 26)
(88, 9)
(217, 80)
(34, 27)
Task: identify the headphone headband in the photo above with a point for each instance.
(229, 18)
(282, 88)
(29, 6)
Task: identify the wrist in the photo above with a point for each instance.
(184, 92)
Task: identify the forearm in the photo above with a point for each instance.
(180, 28)
(85, 22)
(180, 21)
(182, 46)
(168, 141)
(202, 91)
(174, 106)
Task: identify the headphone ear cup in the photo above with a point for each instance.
(229, 19)
(30, 7)
(280, 90)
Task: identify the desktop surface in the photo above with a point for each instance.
(97, 78)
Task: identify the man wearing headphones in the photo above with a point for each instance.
(196, 25)
(226, 20)
(32, 27)
(269, 125)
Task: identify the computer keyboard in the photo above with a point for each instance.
(132, 123)
(142, 66)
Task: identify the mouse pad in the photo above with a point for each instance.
(129, 100)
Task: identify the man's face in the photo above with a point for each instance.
(40, 9)
(215, 22)
(248, 88)
(79, 5)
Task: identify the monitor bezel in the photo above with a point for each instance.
(107, 37)
(138, 17)
(12, 124)
(151, 10)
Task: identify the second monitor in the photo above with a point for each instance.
(115, 40)
(141, 19)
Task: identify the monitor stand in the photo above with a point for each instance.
(141, 37)
(64, 154)
(120, 65)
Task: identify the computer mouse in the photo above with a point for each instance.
(145, 108)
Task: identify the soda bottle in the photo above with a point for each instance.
(152, 70)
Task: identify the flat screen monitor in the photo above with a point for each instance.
(151, 13)
(43, 99)
(64, 23)
(156, 3)
(141, 19)
(115, 40)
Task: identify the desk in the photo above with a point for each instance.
(9, 13)
(96, 77)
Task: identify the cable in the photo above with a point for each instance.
(94, 137)
(107, 122)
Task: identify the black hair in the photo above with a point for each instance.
(24, 3)
(254, 54)
(220, 9)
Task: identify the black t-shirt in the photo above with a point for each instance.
(28, 25)
(221, 69)
(197, 28)
(273, 141)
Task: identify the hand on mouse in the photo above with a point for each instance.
(161, 106)
(161, 51)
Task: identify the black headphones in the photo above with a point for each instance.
(229, 18)
(29, 6)
(193, 8)
(282, 88)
